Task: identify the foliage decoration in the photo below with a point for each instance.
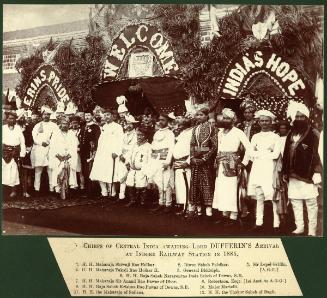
(80, 62)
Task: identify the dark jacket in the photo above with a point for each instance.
(255, 128)
(88, 135)
(302, 161)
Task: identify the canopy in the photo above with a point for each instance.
(164, 94)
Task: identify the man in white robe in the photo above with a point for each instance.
(13, 143)
(230, 138)
(42, 133)
(266, 150)
(160, 164)
(110, 146)
(129, 141)
(137, 163)
(63, 144)
(181, 161)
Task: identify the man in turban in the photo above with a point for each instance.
(264, 154)
(249, 125)
(42, 134)
(203, 150)
(229, 140)
(13, 148)
(302, 167)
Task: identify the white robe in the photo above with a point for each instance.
(63, 144)
(15, 137)
(182, 148)
(110, 141)
(225, 195)
(266, 147)
(129, 141)
(138, 159)
(42, 132)
(163, 139)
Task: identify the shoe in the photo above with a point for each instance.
(298, 232)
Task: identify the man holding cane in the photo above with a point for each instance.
(109, 148)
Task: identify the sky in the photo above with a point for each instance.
(21, 16)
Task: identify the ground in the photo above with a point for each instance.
(50, 216)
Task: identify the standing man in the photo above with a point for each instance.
(230, 139)
(160, 163)
(63, 147)
(137, 163)
(302, 167)
(42, 133)
(129, 141)
(266, 150)
(181, 161)
(109, 149)
(249, 125)
(89, 137)
(203, 150)
(13, 148)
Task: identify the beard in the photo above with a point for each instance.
(300, 126)
(224, 124)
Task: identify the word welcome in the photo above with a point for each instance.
(142, 35)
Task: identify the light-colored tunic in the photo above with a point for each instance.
(42, 132)
(266, 147)
(225, 196)
(63, 144)
(138, 159)
(110, 141)
(129, 141)
(181, 150)
(163, 140)
(15, 137)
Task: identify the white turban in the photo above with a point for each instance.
(130, 119)
(46, 109)
(228, 113)
(60, 107)
(294, 107)
(53, 116)
(71, 109)
(265, 113)
(121, 100)
(20, 113)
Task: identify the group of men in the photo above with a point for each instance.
(201, 162)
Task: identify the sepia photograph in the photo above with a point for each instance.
(197, 120)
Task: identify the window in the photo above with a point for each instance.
(8, 63)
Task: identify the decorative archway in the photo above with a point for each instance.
(141, 35)
(244, 68)
(46, 76)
